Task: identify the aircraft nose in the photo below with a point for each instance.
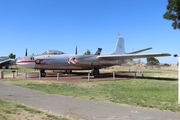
(25, 63)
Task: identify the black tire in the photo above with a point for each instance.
(95, 72)
(43, 73)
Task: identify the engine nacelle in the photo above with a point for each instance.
(72, 60)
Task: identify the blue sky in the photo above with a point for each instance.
(39, 25)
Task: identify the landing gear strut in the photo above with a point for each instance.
(95, 72)
(43, 73)
(68, 71)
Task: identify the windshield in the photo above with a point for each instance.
(53, 52)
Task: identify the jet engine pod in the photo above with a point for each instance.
(72, 60)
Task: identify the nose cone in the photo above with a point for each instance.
(25, 63)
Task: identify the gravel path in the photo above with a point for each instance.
(80, 108)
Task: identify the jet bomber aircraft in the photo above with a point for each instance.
(58, 60)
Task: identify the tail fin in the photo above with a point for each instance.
(98, 52)
(120, 49)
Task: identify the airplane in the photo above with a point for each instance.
(57, 60)
(6, 62)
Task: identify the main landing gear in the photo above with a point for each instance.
(43, 73)
(95, 72)
(68, 71)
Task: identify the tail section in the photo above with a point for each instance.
(98, 52)
(120, 49)
(138, 51)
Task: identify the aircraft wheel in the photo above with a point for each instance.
(95, 72)
(43, 73)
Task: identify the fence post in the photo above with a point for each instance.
(57, 76)
(13, 73)
(16, 73)
(113, 75)
(25, 74)
(1, 74)
(88, 77)
(39, 75)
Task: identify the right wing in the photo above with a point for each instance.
(132, 56)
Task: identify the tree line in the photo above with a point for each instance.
(11, 55)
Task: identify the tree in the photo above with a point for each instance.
(12, 56)
(4, 57)
(152, 61)
(88, 52)
(173, 13)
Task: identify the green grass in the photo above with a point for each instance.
(15, 111)
(158, 94)
(151, 93)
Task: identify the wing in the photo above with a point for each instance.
(5, 61)
(132, 56)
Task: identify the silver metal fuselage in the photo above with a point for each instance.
(60, 62)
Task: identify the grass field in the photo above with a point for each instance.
(151, 93)
(15, 111)
(155, 93)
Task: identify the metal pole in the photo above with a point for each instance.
(13, 74)
(39, 75)
(113, 75)
(88, 77)
(57, 76)
(1, 74)
(16, 73)
(178, 80)
(25, 74)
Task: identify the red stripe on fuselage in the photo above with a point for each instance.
(25, 61)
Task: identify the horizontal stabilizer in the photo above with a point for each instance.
(138, 51)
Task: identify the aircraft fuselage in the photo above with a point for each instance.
(62, 62)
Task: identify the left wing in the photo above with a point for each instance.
(132, 56)
(7, 61)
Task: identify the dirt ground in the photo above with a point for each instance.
(105, 75)
(81, 76)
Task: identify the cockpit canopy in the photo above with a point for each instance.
(53, 52)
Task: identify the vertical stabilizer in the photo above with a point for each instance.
(120, 49)
(98, 52)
